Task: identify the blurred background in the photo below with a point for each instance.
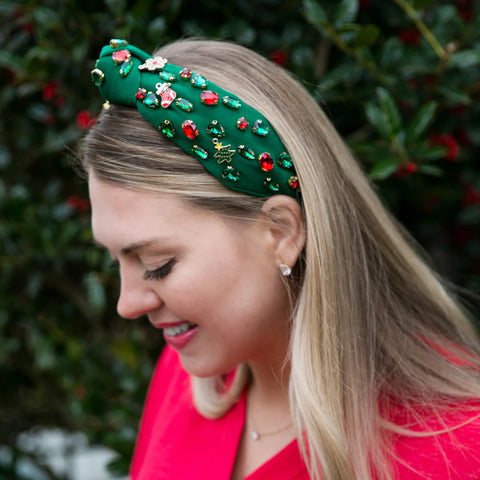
(400, 79)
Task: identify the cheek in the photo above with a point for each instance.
(197, 286)
(227, 283)
(202, 289)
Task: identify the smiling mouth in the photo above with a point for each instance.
(179, 329)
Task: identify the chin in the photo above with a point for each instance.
(199, 369)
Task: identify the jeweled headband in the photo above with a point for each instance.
(232, 140)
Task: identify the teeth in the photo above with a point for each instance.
(178, 329)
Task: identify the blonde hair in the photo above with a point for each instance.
(372, 321)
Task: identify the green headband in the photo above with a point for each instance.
(232, 140)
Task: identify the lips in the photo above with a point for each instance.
(178, 334)
(181, 335)
(166, 325)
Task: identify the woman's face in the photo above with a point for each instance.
(211, 284)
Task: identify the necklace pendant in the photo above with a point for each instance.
(254, 435)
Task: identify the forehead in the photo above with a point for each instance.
(120, 214)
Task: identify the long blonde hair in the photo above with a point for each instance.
(372, 321)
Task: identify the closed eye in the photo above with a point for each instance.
(160, 272)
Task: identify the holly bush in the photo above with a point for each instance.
(400, 79)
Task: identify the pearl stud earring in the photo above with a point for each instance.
(285, 270)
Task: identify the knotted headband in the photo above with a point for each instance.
(232, 140)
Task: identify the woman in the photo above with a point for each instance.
(307, 339)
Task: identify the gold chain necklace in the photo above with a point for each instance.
(256, 435)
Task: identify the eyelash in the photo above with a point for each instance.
(160, 272)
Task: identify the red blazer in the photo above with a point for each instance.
(176, 443)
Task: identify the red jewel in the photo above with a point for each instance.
(190, 129)
(186, 73)
(208, 97)
(121, 56)
(266, 162)
(293, 183)
(242, 123)
(140, 95)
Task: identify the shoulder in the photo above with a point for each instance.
(443, 446)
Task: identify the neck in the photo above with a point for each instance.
(269, 383)
(270, 374)
(268, 406)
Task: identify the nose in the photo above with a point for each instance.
(137, 297)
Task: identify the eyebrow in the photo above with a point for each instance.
(134, 247)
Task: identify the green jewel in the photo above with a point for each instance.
(126, 68)
(246, 152)
(167, 76)
(151, 100)
(184, 105)
(97, 76)
(231, 102)
(215, 129)
(272, 186)
(231, 174)
(200, 152)
(167, 128)
(284, 161)
(259, 129)
(199, 81)
(117, 42)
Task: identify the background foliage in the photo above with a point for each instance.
(400, 79)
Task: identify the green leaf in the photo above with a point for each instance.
(445, 16)
(125, 351)
(95, 292)
(118, 466)
(346, 73)
(46, 17)
(432, 170)
(421, 121)
(346, 12)
(392, 114)
(244, 33)
(426, 152)
(371, 152)
(315, 14)
(383, 169)
(326, 95)
(455, 96)
(349, 27)
(157, 28)
(117, 7)
(470, 215)
(391, 52)
(5, 157)
(421, 4)
(302, 55)
(464, 59)
(378, 119)
(367, 36)
(10, 61)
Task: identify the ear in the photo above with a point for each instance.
(285, 228)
